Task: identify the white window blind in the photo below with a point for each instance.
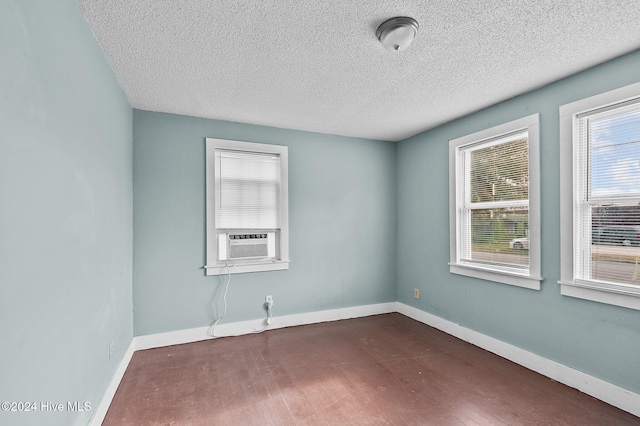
(495, 213)
(247, 187)
(607, 192)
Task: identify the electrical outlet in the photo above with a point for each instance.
(416, 293)
(111, 351)
(269, 300)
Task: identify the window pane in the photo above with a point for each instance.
(500, 236)
(615, 238)
(500, 172)
(247, 190)
(609, 231)
(614, 138)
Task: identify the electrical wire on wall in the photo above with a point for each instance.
(224, 311)
(224, 298)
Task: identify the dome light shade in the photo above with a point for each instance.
(397, 33)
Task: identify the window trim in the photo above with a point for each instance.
(624, 295)
(531, 279)
(215, 267)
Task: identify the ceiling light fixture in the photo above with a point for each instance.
(397, 33)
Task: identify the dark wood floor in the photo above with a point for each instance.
(384, 369)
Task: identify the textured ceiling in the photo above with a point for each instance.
(317, 66)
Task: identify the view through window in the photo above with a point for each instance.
(608, 188)
(497, 207)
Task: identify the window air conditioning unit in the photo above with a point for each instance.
(247, 246)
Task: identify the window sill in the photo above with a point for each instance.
(627, 296)
(503, 277)
(241, 268)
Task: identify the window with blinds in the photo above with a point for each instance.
(495, 214)
(494, 204)
(607, 194)
(247, 207)
(600, 198)
(247, 190)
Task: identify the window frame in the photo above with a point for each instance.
(526, 278)
(619, 294)
(213, 265)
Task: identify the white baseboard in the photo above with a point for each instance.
(598, 388)
(245, 327)
(110, 392)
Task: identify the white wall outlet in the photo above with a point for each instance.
(111, 351)
(416, 293)
(269, 300)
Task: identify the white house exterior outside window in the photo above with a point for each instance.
(494, 204)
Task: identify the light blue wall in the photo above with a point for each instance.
(66, 212)
(598, 339)
(342, 224)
